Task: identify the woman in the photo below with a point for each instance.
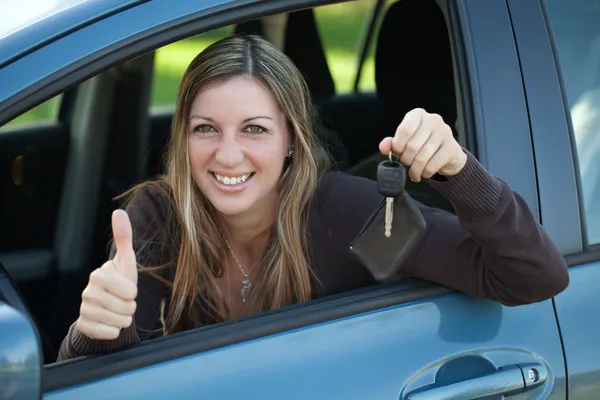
(246, 219)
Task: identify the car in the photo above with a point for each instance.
(86, 99)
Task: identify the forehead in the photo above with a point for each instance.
(243, 94)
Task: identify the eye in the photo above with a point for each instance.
(255, 129)
(204, 128)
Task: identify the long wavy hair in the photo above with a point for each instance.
(286, 274)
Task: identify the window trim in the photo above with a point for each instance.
(585, 257)
(90, 368)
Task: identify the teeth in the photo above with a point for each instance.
(226, 180)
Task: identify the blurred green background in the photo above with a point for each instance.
(341, 27)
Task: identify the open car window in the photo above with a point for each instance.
(125, 135)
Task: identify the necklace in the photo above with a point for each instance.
(246, 285)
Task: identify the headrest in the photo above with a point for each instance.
(303, 46)
(253, 27)
(413, 61)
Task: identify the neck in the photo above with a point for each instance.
(248, 234)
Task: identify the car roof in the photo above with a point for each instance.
(29, 24)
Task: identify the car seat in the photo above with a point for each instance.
(413, 68)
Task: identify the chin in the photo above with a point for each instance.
(230, 208)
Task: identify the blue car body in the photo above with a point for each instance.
(389, 342)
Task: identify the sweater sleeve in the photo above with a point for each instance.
(148, 214)
(493, 248)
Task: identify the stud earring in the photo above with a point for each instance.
(291, 152)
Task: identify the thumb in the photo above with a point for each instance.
(385, 146)
(125, 262)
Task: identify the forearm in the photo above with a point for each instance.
(496, 249)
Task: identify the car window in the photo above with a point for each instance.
(171, 61)
(342, 29)
(366, 81)
(47, 112)
(576, 33)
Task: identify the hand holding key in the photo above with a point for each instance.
(424, 143)
(108, 301)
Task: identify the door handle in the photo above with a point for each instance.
(513, 379)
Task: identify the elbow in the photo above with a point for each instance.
(540, 288)
(558, 278)
(561, 280)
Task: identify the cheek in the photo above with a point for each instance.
(198, 156)
(269, 157)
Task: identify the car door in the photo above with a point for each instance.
(405, 339)
(559, 49)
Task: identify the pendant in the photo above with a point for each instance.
(245, 287)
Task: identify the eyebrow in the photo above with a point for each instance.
(196, 116)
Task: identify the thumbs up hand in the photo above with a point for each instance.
(108, 302)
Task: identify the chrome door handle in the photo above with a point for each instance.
(513, 379)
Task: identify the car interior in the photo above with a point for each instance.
(60, 178)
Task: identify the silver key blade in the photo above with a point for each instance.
(389, 215)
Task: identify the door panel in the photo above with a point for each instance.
(372, 355)
(578, 310)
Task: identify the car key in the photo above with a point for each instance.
(391, 178)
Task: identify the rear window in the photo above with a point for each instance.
(575, 25)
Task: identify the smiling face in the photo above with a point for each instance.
(237, 141)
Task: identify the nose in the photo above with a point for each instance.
(229, 153)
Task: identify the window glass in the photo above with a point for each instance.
(171, 61)
(46, 112)
(576, 28)
(366, 82)
(342, 28)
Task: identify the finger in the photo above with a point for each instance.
(96, 330)
(125, 261)
(437, 162)
(422, 158)
(407, 128)
(385, 146)
(414, 145)
(96, 313)
(97, 295)
(113, 282)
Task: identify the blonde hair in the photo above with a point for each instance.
(286, 273)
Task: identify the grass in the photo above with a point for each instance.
(340, 27)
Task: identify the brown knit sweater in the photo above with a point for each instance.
(492, 249)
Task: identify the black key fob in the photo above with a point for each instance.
(391, 178)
